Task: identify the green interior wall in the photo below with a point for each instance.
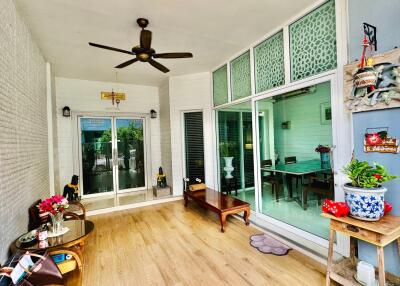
(306, 130)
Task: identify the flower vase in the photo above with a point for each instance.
(57, 223)
(228, 167)
(325, 160)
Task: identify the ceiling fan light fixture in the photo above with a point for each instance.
(143, 57)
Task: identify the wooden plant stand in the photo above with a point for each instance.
(379, 233)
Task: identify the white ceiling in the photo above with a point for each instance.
(212, 30)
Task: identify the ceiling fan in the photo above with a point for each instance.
(144, 52)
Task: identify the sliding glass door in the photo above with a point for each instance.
(236, 159)
(130, 152)
(97, 176)
(295, 178)
(112, 155)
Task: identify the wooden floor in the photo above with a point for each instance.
(167, 244)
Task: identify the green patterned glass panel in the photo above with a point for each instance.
(269, 63)
(220, 86)
(240, 76)
(313, 42)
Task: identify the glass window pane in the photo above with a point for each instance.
(269, 63)
(313, 42)
(220, 86)
(236, 151)
(240, 76)
(96, 152)
(295, 178)
(131, 169)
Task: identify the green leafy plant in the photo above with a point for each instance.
(226, 149)
(364, 175)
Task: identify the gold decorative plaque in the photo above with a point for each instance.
(106, 95)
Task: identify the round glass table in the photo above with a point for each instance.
(78, 232)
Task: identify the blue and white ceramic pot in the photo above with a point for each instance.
(365, 204)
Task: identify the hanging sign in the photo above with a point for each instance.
(106, 95)
(377, 140)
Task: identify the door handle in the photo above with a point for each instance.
(115, 157)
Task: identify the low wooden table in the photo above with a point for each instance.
(379, 233)
(219, 203)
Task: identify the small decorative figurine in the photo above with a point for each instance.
(161, 179)
(71, 191)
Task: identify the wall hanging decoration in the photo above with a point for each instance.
(374, 82)
(326, 113)
(115, 97)
(377, 140)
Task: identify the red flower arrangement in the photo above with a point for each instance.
(322, 149)
(53, 205)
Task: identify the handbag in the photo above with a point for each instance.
(43, 272)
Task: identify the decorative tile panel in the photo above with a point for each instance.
(220, 85)
(240, 76)
(313, 42)
(269, 63)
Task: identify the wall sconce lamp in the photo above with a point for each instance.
(66, 112)
(153, 113)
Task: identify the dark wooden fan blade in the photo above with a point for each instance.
(159, 66)
(110, 48)
(127, 63)
(145, 39)
(173, 55)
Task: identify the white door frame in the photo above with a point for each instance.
(76, 130)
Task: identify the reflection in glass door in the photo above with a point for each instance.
(112, 155)
(96, 155)
(130, 151)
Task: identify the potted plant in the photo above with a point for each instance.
(225, 150)
(365, 195)
(324, 152)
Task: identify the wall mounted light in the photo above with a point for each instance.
(66, 112)
(153, 113)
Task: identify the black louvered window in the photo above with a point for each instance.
(194, 147)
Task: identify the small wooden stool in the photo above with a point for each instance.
(379, 233)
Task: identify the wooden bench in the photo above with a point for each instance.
(219, 203)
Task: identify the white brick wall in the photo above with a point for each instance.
(190, 92)
(84, 96)
(23, 125)
(165, 131)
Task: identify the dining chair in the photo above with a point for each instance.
(290, 160)
(323, 187)
(290, 177)
(270, 178)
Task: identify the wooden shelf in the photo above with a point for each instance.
(67, 266)
(345, 271)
